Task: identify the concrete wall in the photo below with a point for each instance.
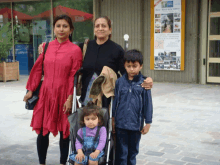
(133, 17)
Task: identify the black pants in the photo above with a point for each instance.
(42, 146)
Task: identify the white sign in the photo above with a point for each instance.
(167, 34)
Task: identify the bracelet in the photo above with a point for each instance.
(69, 100)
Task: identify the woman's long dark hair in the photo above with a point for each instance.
(68, 19)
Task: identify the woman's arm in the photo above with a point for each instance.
(76, 64)
(36, 74)
(35, 77)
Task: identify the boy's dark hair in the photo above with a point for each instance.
(89, 109)
(133, 55)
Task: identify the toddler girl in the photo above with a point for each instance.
(91, 138)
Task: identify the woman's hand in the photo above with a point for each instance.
(148, 83)
(94, 154)
(67, 107)
(146, 129)
(80, 156)
(28, 96)
(40, 48)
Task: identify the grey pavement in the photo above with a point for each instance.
(185, 128)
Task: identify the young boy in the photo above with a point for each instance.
(132, 104)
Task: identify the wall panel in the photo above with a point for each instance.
(126, 19)
(133, 17)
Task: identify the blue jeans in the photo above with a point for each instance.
(85, 161)
(127, 146)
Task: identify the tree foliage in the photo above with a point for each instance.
(6, 41)
(82, 29)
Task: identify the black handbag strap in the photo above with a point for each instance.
(45, 49)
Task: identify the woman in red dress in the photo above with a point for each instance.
(62, 60)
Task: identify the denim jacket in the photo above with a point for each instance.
(132, 103)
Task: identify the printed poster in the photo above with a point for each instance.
(167, 34)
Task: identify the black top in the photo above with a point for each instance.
(97, 56)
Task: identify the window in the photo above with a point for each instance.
(33, 24)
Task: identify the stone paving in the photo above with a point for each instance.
(185, 128)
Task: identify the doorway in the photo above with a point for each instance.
(213, 62)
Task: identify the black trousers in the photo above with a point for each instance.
(42, 146)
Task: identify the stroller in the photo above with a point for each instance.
(75, 126)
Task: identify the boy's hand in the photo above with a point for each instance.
(145, 129)
(80, 156)
(94, 154)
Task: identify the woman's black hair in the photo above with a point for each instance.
(108, 22)
(89, 109)
(68, 19)
(133, 55)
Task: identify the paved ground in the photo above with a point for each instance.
(185, 129)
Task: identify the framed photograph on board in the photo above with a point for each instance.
(167, 35)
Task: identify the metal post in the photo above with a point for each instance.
(126, 37)
(125, 46)
(12, 32)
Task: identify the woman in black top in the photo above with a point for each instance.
(97, 56)
(102, 52)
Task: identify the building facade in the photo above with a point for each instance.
(24, 24)
(202, 36)
(132, 17)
